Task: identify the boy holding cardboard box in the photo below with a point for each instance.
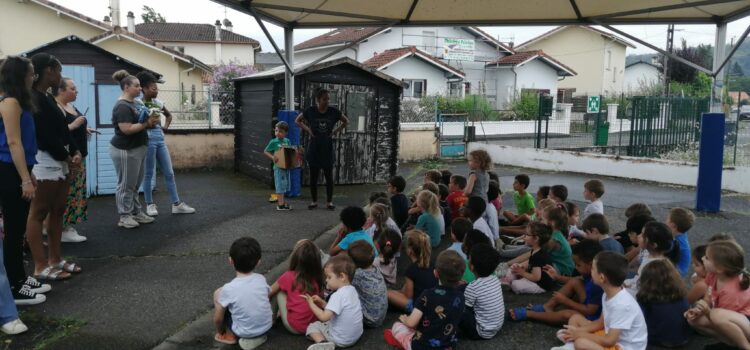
(280, 174)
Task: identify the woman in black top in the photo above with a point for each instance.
(319, 121)
(76, 206)
(58, 160)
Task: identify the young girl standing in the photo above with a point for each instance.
(305, 277)
(430, 221)
(657, 242)
(479, 180)
(725, 310)
(419, 275)
(662, 296)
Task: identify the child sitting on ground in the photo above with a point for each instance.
(446, 176)
(434, 176)
(430, 221)
(680, 220)
(459, 228)
(621, 325)
(443, 202)
(597, 227)
(415, 211)
(527, 277)
(516, 231)
(698, 280)
(474, 210)
(399, 202)
(456, 199)
(241, 307)
(353, 219)
(380, 220)
(485, 310)
(574, 233)
(472, 239)
(524, 202)
(479, 181)
(388, 244)
(305, 276)
(369, 283)
(418, 276)
(634, 227)
(593, 190)
(558, 193)
(579, 295)
(662, 296)
(280, 176)
(434, 320)
(494, 198)
(724, 312)
(657, 243)
(623, 236)
(340, 319)
(558, 246)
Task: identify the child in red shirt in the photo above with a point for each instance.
(456, 199)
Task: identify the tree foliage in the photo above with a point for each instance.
(701, 55)
(224, 73)
(150, 15)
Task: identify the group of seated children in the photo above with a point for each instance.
(626, 290)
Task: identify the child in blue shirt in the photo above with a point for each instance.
(680, 221)
(280, 176)
(353, 219)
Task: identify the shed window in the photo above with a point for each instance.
(415, 88)
(356, 111)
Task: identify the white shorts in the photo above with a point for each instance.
(49, 169)
(324, 328)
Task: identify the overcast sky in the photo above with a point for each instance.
(205, 11)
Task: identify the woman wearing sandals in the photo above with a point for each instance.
(58, 161)
(17, 187)
(319, 122)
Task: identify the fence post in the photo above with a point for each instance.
(612, 113)
(567, 110)
(214, 111)
(710, 163)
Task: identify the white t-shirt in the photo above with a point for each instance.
(490, 216)
(482, 225)
(246, 298)
(623, 312)
(346, 324)
(595, 207)
(389, 223)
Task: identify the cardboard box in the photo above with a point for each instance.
(288, 157)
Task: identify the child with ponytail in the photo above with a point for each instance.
(389, 244)
(656, 239)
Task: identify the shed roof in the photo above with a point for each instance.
(190, 32)
(522, 57)
(73, 14)
(388, 57)
(347, 13)
(278, 72)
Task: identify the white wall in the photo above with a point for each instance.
(416, 68)
(662, 171)
(640, 73)
(532, 75)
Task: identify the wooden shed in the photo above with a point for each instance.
(366, 152)
(91, 67)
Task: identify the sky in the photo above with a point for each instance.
(206, 11)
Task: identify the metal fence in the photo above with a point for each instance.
(197, 109)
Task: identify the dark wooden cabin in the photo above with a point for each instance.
(366, 152)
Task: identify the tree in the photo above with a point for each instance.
(701, 55)
(736, 70)
(151, 16)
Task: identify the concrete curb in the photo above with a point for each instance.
(204, 323)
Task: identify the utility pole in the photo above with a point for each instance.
(670, 49)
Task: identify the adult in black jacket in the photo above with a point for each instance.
(58, 160)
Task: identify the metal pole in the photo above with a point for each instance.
(289, 74)
(670, 46)
(718, 79)
(737, 128)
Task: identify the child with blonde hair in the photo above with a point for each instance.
(418, 276)
(380, 220)
(478, 182)
(431, 220)
(305, 276)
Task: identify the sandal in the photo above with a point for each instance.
(68, 267)
(51, 274)
(536, 307)
(518, 314)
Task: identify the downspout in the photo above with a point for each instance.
(179, 80)
(515, 82)
(355, 48)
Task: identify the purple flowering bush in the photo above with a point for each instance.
(222, 86)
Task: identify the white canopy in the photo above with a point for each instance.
(342, 13)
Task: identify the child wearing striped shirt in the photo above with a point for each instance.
(485, 310)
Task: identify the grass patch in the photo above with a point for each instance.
(432, 164)
(43, 332)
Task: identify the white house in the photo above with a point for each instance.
(529, 70)
(423, 73)
(211, 44)
(639, 74)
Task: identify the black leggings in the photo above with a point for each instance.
(15, 211)
(314, 173)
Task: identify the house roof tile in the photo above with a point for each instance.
(389, 56)
(523, 56)
(190, 32)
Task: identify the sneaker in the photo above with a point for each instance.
(142, 218)
(227, 338)
(128, 221)
(36, 286)
(151, 210)
(182, 208)
(322, 346)
(391, 340)
(283, 207)
(14, 327)
(25, 296)
(70, 235)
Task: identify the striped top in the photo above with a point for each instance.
(485, 295)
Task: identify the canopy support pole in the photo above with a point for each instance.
(734, 49)
(289, 74)
(269, 37)
(720, 41)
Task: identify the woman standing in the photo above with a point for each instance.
(58, 160)
(128, 150)
(319, 122)
(76, 207)
(18, 150)
(158, 151)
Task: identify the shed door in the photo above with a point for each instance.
(83, 76)
(106, 178)
(355, 149)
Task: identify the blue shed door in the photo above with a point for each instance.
(83, 76)
(106, 178)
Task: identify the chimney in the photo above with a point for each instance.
(228, 24)
(107, 21)
(218, 41)
(131, 22)
(114, 8)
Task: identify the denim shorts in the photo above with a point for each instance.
(281, 180)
